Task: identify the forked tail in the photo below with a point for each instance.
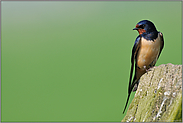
(129, 91)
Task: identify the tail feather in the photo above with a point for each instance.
(135, 86)
(126, 102)
(129, 92)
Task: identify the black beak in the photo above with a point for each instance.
(135, 28)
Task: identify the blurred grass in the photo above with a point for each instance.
(70, 61)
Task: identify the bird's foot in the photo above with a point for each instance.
(147, 70)
(135, 87)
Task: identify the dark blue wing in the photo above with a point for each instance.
(134, 52)
(133, 57)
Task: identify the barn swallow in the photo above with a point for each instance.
(146, 51)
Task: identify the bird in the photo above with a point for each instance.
(145, 52)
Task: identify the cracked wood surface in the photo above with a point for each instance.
(159, 96)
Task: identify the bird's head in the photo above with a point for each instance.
(145, 26)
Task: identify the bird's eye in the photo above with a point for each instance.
(142, 26)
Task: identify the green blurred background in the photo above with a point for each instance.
(70, 61)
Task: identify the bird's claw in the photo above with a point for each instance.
(147, 70)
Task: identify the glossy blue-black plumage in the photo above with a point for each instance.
(135, 47)
(148, 25)
(134, 51)
(150, 36)
(151, 32)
